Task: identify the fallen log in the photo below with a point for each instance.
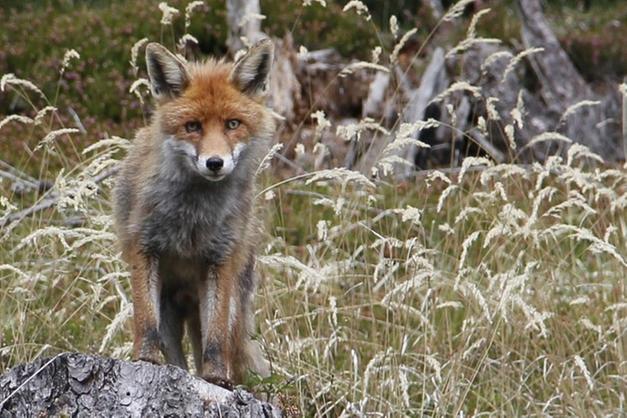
(81, 385)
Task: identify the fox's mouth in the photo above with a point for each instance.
(214, 177)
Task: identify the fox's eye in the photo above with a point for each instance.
(193, 126)
(232, 123)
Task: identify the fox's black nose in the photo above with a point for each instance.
(215, 163)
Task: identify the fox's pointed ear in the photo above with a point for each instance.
(251, 72)
(167, 74)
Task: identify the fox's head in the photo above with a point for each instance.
(209, 112)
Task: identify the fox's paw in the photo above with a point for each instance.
(148, 349)
(217, 380)
(154, 358)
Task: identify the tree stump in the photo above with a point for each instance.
(81, 385)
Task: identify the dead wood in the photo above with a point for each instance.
(74, 384)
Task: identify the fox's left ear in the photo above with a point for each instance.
(251, 72)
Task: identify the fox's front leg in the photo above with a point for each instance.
(217, 311)
(146, 289)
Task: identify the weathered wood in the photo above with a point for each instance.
(51, 200)
(433, 81)
(243, 21)
(80, 385)
(562, 85)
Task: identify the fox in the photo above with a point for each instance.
(184, 216)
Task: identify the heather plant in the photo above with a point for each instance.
(484, 289)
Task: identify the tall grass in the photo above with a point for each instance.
(484, 290)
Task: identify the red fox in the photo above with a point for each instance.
(183, 211)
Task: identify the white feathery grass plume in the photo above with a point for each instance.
(499, 229)
(15, 270)
(445, 194)
(464, 213)
(446, 228)
(518, 58)
(435, 365)
(7, 205)
(410, 213)
(341, 174)
(470, 162)
(394, 26)
(474, 346)
(581, 151)
(307, 275)
(386, 165)
(471, 36)
(456, 10)
(39, 117)
(372, 366)
(384, 265)
(359, 7)
(400, 44)
(470, 239)
(189, 10)
(493, 57)
(376, 55)
(450, 304)
(299, 150)
(50, 231)
(321, 151)
(472, 28)
(597, 245)
(322, 123)
(134, 89)
(575, 199)
(265, 161)
(458, 86)
(109, 143)
(493, 113)
(135, 53)
(69, 55)
(571, 110)
(25, 120)
(359, 65)
(306, 3)
(547, 137)
(535, 319)
(470, 289)
(437, 175)
(407, 135)
(608, 232)
(482, 126)
(302, 52)
(185, 39)
(518, 112)
(404, 386)
(169, 13)
(116, 324)
(250, 17)
(584, 370)
(52, 135)
(269, 195)
(10, 80)
(353, 131)
(323, 230)
(405, 308)
(546, 193)
(509, 133)
(588, 324)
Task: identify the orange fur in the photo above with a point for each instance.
(195, 268)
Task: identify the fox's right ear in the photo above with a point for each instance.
(167, 74)
(252, 71)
